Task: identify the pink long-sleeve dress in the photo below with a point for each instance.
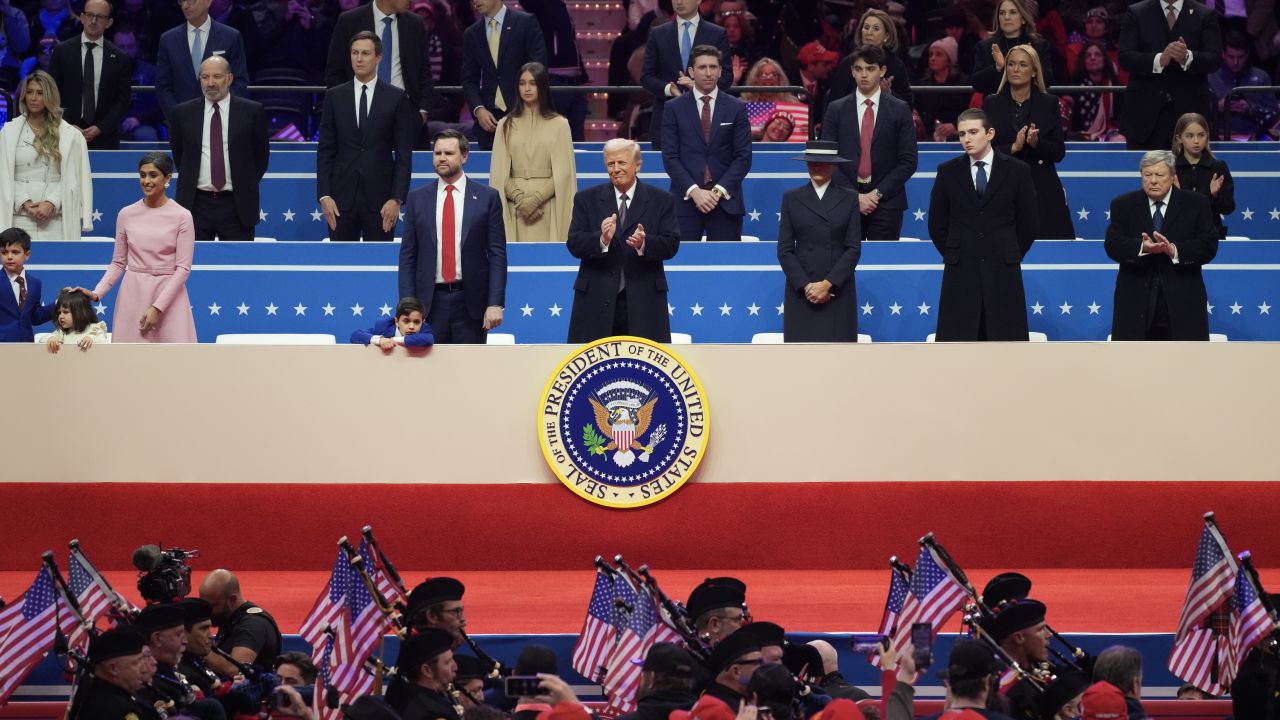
(155, 245)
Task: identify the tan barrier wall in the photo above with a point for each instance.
(1034, 411)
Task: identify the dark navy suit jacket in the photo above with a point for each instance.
(484, 248)
(662, 64)
(15, 324)
(685, 152)
(386, 327)
(176, 79)
(894, 153)
(521, 43)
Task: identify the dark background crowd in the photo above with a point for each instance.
(799, 43)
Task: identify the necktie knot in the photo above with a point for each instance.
(981, 163)
(706, 99)
(90, 45)
(22, 282)
(867, 102)
(386, 21)
(449, 188)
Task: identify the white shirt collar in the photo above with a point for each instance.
(715, 95)
(1177, 6)
(204, 29)
(693, 24)
(631, 194)
(22, 274)
(500, 17)
(85, 38)
(820, 189)
(991, 153)
(377, 18)
(224, 105)
(1151, 204)
(460, 184)
(875, 98)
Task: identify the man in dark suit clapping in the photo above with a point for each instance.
(622, 232)
(706, 149)
(1161, 236)
(668, 54)
(364, 155)
(1169, 48)
(876, 133)
(982, 218)
(454, 254)
(93, 76)
(493, 51)
(220, 147)
(404, 62)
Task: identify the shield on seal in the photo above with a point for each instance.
(623, 435)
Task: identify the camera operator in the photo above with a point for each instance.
(666, 683)
(437, 603)
(970, 679)
(116, 657)
(165, 629)
(246, 632)
(425, 670)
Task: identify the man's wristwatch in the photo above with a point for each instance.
(717, 192)
(879, 195)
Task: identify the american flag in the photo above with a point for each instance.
(368, 624)
(1201, 651)
(323, 675)
(622, 679)
(1250, 622)
(760, 112)
(596, 640)
(387, 587)
(26, 632)
(934, 596)
(289, 133)
(330, 608)
(90, 591)
(898, 592)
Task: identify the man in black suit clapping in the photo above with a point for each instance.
(94, 78)
(1161, 236)
(220, 146)
(876, 133)
(982, 218)
(364, 156)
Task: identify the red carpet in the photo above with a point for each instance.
(1104, 601)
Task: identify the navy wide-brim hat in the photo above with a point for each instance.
(821, 151)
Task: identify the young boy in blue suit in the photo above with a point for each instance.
(20, 307)
(409, 328)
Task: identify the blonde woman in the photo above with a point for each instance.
(45, 187)
(767, 71)
(533, 167)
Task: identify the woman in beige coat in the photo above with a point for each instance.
(533, 166)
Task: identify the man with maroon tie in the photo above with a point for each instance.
(220, 147)
(454, 253)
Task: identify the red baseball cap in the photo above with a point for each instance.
(1103, 701)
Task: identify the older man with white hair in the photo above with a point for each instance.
(1160, 235)
(622, 231)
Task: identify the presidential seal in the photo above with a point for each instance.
(623, 422)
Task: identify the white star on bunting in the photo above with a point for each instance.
(1264, 308)
(262, 215)
(215, 309)
(725, 309)
(1236, 307)
(696, 309)
(1037, 309)
(1065, 308)
(919, 214)
(1083, 213)
(671, 310)
(97, 215)
(386, 310)
(357, 309)
(867, 308)
(755, 215)
(1275, 214)
(923, 308)
(1247, 213)
(753, 309)
(328, 309)
(895, 308)
(526, 311)
(100, 309)
(299, 309)
(244, 309)
(779, 309)
(272, 308)
(1210, 308)
(317, 216)
(555, 310)
(1094, 308)
(1108, 214)
(288, 215)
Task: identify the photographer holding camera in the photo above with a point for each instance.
(246, 632)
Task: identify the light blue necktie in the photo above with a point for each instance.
(197, 53)
(686, 47)
(384, 65)
(981, 180)
(1157, 218)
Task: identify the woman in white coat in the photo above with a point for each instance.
(45, 184)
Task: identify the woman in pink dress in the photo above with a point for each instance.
(155, 239)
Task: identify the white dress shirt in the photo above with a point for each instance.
(397, 75)
(673, 89)
(617, 203)
(97, 66)
(460, 192)
(862, 105)
(13, 284)
(1156, 67)
(357, 86)
(973, 167)
(204, 35)
(1164, 213)
(205, 181)
(820, 189)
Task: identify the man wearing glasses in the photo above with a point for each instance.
(94, 77)
(717, 608)
(437, 603)
(733, 662)
(184, 48)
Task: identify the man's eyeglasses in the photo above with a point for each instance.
(94, 17)
(186, 2)
(456, 612)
